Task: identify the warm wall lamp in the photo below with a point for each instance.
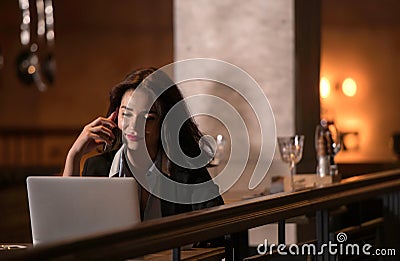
(348, 87)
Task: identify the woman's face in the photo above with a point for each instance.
(140, 126)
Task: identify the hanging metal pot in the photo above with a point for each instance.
(28, 68)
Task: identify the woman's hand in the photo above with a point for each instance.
(97, 132)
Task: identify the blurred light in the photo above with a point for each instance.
(49, 10)
(49, 20)
(324, 88)
(349, 87)
(351, 140)
(34, 47)
(50, 35)
(34, 59)
(24, 4)
(26, 20)
(31, 69)
(25, 37)
(41, 29)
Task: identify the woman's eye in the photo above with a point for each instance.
(150, 117)
(124, 114)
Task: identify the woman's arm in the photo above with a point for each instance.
(97, 132)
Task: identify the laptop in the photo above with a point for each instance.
(63, 208)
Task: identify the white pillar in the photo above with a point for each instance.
(257, 36)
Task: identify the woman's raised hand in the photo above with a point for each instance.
(93, 134)
(97, 132)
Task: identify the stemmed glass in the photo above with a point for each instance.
(219, 151)
(291, 150)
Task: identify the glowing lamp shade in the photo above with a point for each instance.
(349, 87)
(324, 88)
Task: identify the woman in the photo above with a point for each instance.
(134, 118)
(104, 131)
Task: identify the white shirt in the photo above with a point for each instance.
(153, 205)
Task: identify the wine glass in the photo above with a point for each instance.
(217, 151)
(291, 150)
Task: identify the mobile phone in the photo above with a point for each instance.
(106, 147)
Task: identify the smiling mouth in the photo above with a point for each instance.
(133, 137)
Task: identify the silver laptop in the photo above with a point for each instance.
(64, 208)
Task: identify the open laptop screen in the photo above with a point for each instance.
(70, 207)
